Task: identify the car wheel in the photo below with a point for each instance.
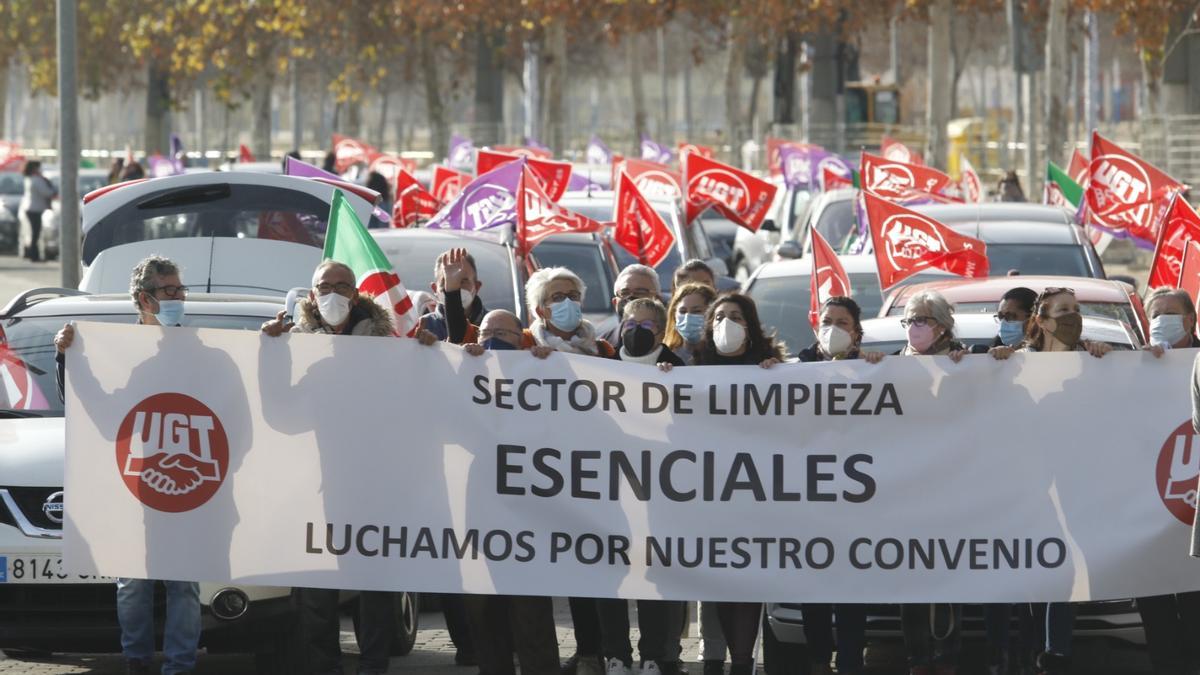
(408, 610)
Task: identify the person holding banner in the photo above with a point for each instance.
(1016, 306)
(929, 323)
(685, 318)
(554, 296)
(456, 285)
(734, 336)
(1172, 320)
(643, 326)
(840, 334)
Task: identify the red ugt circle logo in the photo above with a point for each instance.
(1178, 471)
(172, 452)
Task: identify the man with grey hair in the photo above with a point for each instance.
(635, 281)
(1172, 316)
(158, 294)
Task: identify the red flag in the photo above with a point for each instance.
(390, 166)
(523, 151)
(897, 180)
(827, 279)
(554, 175)
(350, 151)
(895, 151)
(832, 180)
(639, 228)
(739, 196)
(447, 183)
(653, 180)
(1181, 225)
(413, 202)
(687, 148)
(1078, 170)
(1126, 193)
(907, 242)
(539, 217)
(972, 187)
(244, 154)
(1189, 272)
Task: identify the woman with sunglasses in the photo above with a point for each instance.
(1057, 326)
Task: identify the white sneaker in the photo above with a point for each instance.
(650, 668)
(617, 667)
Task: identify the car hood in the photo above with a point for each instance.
(211, 265)
(31, 451)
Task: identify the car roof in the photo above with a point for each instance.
(1007, 223)
(497, 236)
(993, 288)
(969, 326)
(605, 196)
(46, 304)
(853, 264)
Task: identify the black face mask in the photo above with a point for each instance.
(638, 341)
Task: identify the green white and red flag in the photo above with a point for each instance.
(347, 241)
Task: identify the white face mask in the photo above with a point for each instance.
(728, 336)
(1167, 329)
(334, 308)
(834, 340)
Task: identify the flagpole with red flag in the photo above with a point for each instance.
(907, 243)
(827, 273)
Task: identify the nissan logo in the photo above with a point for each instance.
(53, 508)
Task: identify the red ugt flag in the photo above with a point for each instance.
(639, 228)
(553, 175)
(897, 180)
(1125, 194)
(828, 278)
(350, 151)
(1189, 273)
(654, 180)
(1078, 170)
(739, 196)
(896, 151)
(1180, 226)
(907, 242)
(413, 202)
(539, 217)
(447, 183)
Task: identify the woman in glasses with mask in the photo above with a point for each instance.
(1172, 317)
(685, 318)
(929, 325)
(1016, 306)
(643, 326)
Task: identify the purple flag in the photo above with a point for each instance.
(655, 152)
(835, 163)
(461, 154)
(581, 183)
(487, 202)
(799, 166)
(302, 169)
(598, 152)
(531, 142)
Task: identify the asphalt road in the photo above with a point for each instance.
(18, 275)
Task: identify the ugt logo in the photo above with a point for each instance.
(1177, 472)
(172, 452)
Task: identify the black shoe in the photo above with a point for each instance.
(714, 667)
(137, 667)
(1053, 664)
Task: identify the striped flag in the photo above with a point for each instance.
(347, 241)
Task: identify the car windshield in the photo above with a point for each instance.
(586, 260)
(27, 378)
(414, 256)
(214, 210)
(1065, 260)
(783, 304)
(12, 183)
(836, 222)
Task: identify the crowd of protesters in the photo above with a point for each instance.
(696, 326)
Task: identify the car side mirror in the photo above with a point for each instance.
(768, 225)
(789, 250)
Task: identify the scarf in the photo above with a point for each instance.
(582, 342)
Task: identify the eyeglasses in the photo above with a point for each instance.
(490, 333)
(1007, 316)
(630, 324)
(632, 293)
(560, 296)
(918, 321)
(341, 288)
(170, 291)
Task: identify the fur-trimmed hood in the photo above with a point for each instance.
(367, 317)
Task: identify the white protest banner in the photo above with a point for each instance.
(378, 463)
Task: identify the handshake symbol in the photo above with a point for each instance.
(173, 474)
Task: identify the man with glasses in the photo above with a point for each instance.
(159, 296)
(334, 307)
(635, 281)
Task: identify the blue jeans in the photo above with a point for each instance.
(135, 611)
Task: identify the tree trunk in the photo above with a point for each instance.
(435, 109)
(264, 82)
(381, 129)
(158, 110)
(554, 125)
(822, 108)
(639, 94)
(1057, 88)
(733, 85)
(785, 80)
(489, 89)
(937, 107)
(752, 107)
(956, 65)
(354, 117)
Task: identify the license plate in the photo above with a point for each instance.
(41, 569)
